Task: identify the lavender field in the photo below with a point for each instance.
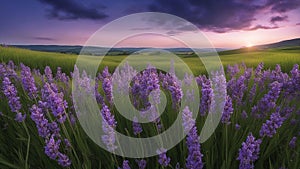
(259, 128)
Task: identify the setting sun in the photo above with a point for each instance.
(249, 45)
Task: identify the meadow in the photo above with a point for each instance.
(259, 128)
(286, 57)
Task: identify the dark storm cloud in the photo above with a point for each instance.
(278, 19)
(71, 10)
(44, 38)
(223, 16)
(282, 6)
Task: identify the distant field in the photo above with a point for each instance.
(286, 57)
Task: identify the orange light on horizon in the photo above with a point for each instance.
(249, 45)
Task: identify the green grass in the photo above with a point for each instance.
(286, 57)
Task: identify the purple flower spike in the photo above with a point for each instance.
(207, 94)
(194, 159)
(292, 143)
(108, 126)
(63, 160)
(19, 117)
(107, 84)
(228, 111)
(141, 163)
(163, 159)
(126, 165)
(237, 126)
(52, 148)
(48, 74)
(28, 81)
(269, 128)
(137, 128)
(188, 121)
(249, 152)
(10, 92)
(268, 102)
(55, 101)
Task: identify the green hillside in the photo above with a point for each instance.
(286, 57)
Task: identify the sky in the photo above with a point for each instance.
(225, 23)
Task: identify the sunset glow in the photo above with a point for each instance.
(269, 22)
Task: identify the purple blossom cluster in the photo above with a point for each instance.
(55, 101)
(173, 85)
(194, 159)
(268, 102)
(141, 163)
(10, 92)
(228, 111)
(249, 152)
(108, 126)
(206, 94)
(269, 128)
(270, 95)
(163, 159)
(145, 83)
(125, 165)
(107, 85)
(50, 132)
(28, 81)
(137, 128)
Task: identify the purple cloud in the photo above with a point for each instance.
(72, 10)
(275, 19)
(44, 38)
(224, 16)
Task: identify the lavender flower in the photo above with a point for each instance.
(107, 85)
(239, 89)
(244, 114)
(19, 117)
(63, 160)
(177, 166)
(232, 70)
(292, 143)
(68, 144)
(125, 165)
(52, 148)
(194, 159)
(141, 163)
(171, 83)
(188, 79)
(257, 81)
(10, 92)
(137, 128)
(48, 74)
(206, 96)
(28, 81)
(249, 152)
(55, 101)
(292, 86)
(98, 96)
(163, 159)
(278, 75)
(108, 126)
(269, 128)
(228, 111)
(40, 120)
(54, 129)
(268, 102)
(237, 126)
(187, 120)
(149, 83)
